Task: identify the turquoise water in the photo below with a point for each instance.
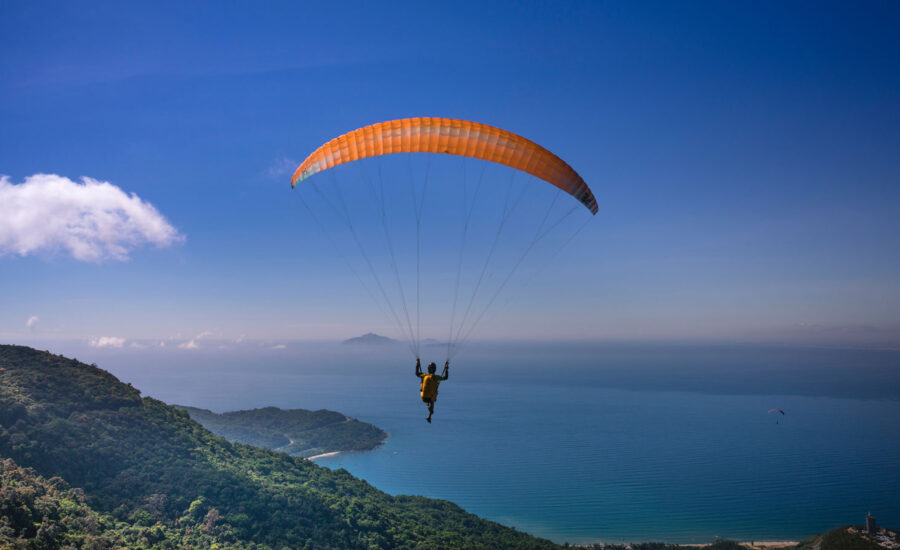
(578, 452)
(596, 464)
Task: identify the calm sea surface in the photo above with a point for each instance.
(623, 444)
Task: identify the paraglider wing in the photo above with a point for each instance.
(776, 411)
(451, 137)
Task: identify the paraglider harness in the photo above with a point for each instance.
(430, 381)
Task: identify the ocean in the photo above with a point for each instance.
(586, 443)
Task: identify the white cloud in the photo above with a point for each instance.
(283, 166)
(107, 342)
(193, 343)
(279, 346)
(92, 220)
(32, 321)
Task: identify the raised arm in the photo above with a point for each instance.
(418, 367)
(446, 373)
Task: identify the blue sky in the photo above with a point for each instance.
(744, 156)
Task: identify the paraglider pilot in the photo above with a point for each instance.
(430, 382)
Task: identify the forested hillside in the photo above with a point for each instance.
(144, 464)
(39, 513)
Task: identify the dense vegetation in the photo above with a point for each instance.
(297, 432)
(149, 476)
(37, 513)
(848, 538)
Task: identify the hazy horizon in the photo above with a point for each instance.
(709, 368)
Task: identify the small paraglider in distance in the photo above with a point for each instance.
(777, 411)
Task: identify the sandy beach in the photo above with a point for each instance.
(323, 455)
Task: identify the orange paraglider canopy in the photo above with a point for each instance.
(452, 137)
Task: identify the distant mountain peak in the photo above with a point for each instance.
(370, 338)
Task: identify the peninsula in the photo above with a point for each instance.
(297, 432)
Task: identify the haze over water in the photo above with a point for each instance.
(585, 443)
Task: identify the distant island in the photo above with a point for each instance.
(369, 338)
(297, 432)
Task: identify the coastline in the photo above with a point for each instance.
(756, 544)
